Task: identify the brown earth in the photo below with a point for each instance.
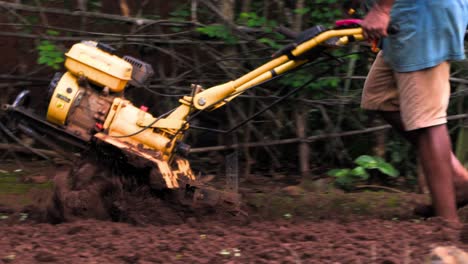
(306, 227)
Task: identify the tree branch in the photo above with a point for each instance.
(308, 139)
(142, 39)
(58, 11)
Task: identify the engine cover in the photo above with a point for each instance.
(99, 66)
(80, 110)
(63, 96)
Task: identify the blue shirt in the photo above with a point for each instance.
(431, 31)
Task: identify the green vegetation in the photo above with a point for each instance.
(49, 53)
(346, 178)
(10, 184)
(339, 205)
(218, 31)
(185, 43)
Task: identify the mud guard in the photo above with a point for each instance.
(180, 179)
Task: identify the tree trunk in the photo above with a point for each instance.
(246, 6)
(304, 151)
(193, 11)
(227, 8)
(124, 9)
(300, 115)
(247, 136)
(298, 19)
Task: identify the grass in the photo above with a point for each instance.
(15, 193)
(319, 205)
(10, 183)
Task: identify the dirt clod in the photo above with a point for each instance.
(44, 256)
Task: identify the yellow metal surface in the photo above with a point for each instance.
(62, 99)
(113, 110)
(266, 76)
(166, 172)
(345, 40)
(304, 47)
(146, 119)
(180, 113)
(98, 66)
(122, 123)
(184, 168)
(210, 96)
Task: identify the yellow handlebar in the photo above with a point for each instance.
(217, 96)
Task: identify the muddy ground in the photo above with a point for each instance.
(284, 225)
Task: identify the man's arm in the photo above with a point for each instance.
(376, 22)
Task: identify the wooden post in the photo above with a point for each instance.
(304, 151)
(300, 115)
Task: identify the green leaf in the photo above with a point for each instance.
(244, 15)
(253, 20)
(278, 36)
(95, 3)
(59, 59)
(269, 42)
(367, 162)
(180, 14)
(46, 47)
(42, 60)
(344, 181)
(379, 159)
(49, 54)
(334, 82)
(176, 29)
(217, 31)
(360, 172)
(388, 169)
(339, 172)
(302, 11)
(52, 32)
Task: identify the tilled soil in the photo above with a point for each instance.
(304, 227)
(285, 241)
(154, 232)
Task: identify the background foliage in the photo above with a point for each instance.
(208, 43)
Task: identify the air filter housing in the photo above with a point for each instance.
(141, 73)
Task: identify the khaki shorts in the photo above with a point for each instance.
(421, 97)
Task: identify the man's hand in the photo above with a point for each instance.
(376, 22)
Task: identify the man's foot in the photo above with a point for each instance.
(461, 193)
(427, 210)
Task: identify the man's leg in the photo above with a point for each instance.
(422, 97)
(434, 150)
(460, 174)
(438, 161)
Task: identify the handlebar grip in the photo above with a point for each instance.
(393, 29)
(289, 33)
